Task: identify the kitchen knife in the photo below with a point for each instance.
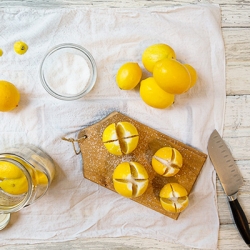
(231, 180)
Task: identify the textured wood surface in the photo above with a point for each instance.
(236, 33)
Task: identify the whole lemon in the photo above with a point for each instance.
(1, 52)
(155, 96)
(172, 76)
(9, 96)
(155, 53)
(192, 73)
(20, 47)
(128, 76)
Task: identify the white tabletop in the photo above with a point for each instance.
(236, 34)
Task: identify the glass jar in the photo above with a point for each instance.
(37, 171)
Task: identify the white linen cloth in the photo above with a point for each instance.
(75, 207)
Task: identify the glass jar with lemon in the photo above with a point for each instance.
(26, 173)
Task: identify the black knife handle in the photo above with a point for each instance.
(240, 220)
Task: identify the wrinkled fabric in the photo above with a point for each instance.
(73, 206)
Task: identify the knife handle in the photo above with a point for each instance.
(240, 220)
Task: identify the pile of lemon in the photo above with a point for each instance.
(169, 76)
(130, 178)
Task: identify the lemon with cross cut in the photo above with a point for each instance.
(174, 197)
(130, 179)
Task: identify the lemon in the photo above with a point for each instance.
(155, 53)
(128, 76)
(167, 161)
(9, 96)
(174, 197)
(130, 179)
(12, 179)
(192, 73)
(20, 47)
(155, 96)
(120, 138)
(1, 52)
(172, 76)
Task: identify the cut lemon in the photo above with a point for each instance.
(120, 138)
(167, 161)
(130, 179)
(174, 197)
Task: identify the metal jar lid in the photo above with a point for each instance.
(4, 220)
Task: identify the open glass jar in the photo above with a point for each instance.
(25, 175)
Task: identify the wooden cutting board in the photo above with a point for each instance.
(99, 164)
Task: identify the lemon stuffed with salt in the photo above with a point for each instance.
(155, 53)
(174, 198)
(20, 47)
(128, 76)
(155, 96)
(130, 179)
(9, 96)
(172, 76)
(167, 161)
(120, 138)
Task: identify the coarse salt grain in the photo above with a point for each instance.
(67, 73)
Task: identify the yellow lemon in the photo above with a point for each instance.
(155, 53)
(192, 73)
(128, 76)
(120, 138)
(167, 161)
(172, 76)
(130, 179)
(20, 47)
(155, 96)
(174, 198)
(1, 52)
(12, 179)
(9, 96)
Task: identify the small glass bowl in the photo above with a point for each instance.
(68, 72)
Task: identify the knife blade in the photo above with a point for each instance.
(231, 180)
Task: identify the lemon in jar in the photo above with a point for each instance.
(12, 179)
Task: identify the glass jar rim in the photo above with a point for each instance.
(28, 195)
(87, 56)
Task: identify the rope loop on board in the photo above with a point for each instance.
(72, 140)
